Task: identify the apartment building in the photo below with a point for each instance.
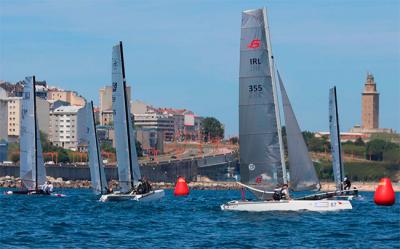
(67, 96)
(67, 126)
(14, 105)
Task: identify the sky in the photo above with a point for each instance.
(185, 53)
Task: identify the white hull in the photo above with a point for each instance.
(151, 196)
(287, 205)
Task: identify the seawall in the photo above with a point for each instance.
(213, 167)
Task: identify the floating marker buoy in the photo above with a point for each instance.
(384, 193)
(181, 187)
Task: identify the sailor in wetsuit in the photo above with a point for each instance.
(46, 188)
(143, 187)
(281, 193)
(346, 183)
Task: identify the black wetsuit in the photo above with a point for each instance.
(347, 184)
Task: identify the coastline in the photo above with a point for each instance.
(11, 182)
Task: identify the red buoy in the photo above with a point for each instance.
(181, 187)
(384, 194)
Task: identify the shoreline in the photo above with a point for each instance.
(11, 182)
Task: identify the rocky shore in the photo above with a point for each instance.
(11, 182)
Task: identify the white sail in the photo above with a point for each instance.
(32, 170)
(336, 149)
(128, 166)
(97, 175)
(302, 171)
(261, 151)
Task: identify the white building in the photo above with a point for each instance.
(67, 126)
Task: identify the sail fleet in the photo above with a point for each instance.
(263, 167)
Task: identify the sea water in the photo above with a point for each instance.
(81, 221)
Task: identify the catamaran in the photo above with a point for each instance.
(128, 166)
(97, 175)
(262, 161)
(336, 150)
(32, 171)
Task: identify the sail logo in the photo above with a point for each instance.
(114, 86)
(252, 167)
(254, 43)
(258, 179)
(255, 61)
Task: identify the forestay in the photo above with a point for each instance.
(128, 166)
(260, 148)
(302, 171)
(98, 178)
(337, 163)
(32, 170)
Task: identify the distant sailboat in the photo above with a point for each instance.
(128, 166)
(262, 163)
(32, 170)
(97, 175)
(336, 148)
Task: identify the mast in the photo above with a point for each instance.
(338, 137)
(127, 118)
(274, 93)
(97, 146)
(35, 133)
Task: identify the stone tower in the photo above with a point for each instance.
(370, 105)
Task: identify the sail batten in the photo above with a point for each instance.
(302, 172)
(337, 161)
(32, 170)
(98, 179)
(260, 148)
(128, 166)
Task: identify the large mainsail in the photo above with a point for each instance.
(32, 170)
(261, 150)
(336, 149)
(98, 178)
(302, 171)
(128, 166)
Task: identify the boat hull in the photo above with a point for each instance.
(19, 192)
(151, 196)
(287, 205)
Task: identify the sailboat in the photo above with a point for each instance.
(128, 165)
(336, 149)
(97, 175)
(32, 171)
(262, 161)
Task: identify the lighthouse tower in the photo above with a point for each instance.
(370, 105)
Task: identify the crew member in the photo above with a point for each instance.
(346, 183)
(281, 193)
(47, 188)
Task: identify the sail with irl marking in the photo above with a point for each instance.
(98, 178)
(128, 166)
(336, 149)
(32, 170)
(261, 149)
(302, 172)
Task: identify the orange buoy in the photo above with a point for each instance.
(384, 193)
(181, 187)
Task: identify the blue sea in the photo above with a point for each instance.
(196, 221)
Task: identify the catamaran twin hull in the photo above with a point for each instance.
(33, 193)
(287, 205)
(151, 196)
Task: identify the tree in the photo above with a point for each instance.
(359, 142)
(234, 140)
(375, 149)
(212, 129)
